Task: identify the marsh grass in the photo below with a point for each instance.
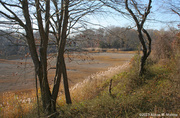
(93, 84)
(23, 103)
(91, 99)
(16, 105)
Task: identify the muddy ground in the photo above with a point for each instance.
(18, 75)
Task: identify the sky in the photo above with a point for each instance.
(164, 18)
(160, 11)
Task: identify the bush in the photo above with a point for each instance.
(162, 47)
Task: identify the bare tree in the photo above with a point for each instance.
(136, 12)
(140, 19)
(49, 16)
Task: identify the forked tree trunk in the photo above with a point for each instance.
(48, 98)
(66, 85)
(49, 106)
(140, 29)
(146, 53)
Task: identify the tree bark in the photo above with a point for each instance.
(66, 85)
(42, 72)
(60, 65)
(144, 56)
(143, 61)
(62, 43)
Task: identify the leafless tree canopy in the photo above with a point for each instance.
(45, 17)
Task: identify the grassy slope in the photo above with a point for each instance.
(159, 94)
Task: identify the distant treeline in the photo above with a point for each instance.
(111, 37)
(11, 45)
(14, 46)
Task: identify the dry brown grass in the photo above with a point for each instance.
(18, 103)
(91, 86)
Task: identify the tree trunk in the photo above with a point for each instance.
(66, 85)
(143, 60)
(144, 57)
(49, 107)
(146, 52)
(62, 44)
(140, 28)
(43, 21)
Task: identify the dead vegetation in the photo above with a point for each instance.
(17, 101)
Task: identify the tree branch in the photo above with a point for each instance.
(146, 14)
(47, 17)
(13, 18)
(132, 14)
(111, 6)
(135, 5)
(175, 12)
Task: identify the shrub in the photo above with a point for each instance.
(162, 47)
